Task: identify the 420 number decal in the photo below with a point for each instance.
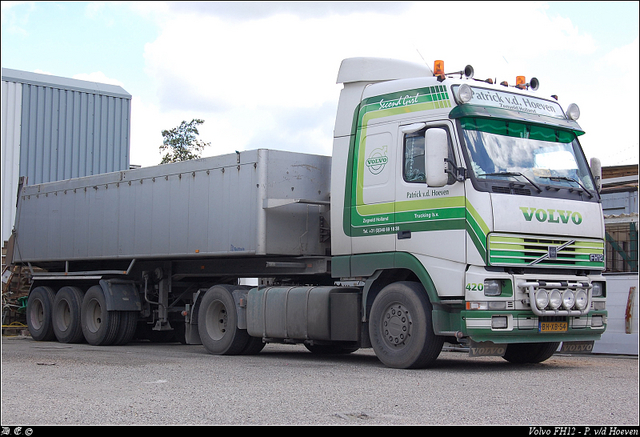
(472, 286)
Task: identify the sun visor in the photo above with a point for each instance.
(492, 112)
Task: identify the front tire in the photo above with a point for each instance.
(218, 323)
(401, 329)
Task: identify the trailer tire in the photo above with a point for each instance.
(218, 323)
(67, 308)
(99, 326)
(525, 353)
(40, 315)
(127, 328)
(400, 327)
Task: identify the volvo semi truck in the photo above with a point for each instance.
(452, 210)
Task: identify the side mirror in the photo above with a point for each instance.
(436, 152)
(596, 172)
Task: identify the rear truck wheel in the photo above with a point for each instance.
(40, 314)
(218, 323)
(99, 326)
(400, 327)
(523, 353)
(67, 307)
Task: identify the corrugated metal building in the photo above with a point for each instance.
(620, 205)
(56, 128)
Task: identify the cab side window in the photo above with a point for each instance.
(414, 156)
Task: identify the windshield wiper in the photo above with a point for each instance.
(512, 173)
(565, 178)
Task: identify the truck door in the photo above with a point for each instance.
(430, 220)
(372, 219)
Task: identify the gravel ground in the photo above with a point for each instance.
(48, 383)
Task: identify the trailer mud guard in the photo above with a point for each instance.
(121, 295)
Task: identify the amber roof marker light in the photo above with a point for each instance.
(438, 69)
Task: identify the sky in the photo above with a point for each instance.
(263, 75)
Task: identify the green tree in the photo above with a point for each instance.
(181, 144)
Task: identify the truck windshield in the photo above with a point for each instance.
(537, 155)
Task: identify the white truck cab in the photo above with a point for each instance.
(479, 192)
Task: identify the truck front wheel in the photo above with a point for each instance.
(218, 323)
(400, 327)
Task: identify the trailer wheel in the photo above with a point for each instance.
(400, 327)
(67, 307)
(127, 329)
(99, 326)
(523, 353)
(218, 322)
(39, 314)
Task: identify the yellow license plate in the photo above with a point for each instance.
(553, 326)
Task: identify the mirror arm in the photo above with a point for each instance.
(459, 173)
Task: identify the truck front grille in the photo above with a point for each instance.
(544, 251)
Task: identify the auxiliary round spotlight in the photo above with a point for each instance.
(582, 299)
(568, 299)
(573, 112)
(464, 93)
(555, 299)
(542, 298)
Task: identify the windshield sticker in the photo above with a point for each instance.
(514, 102)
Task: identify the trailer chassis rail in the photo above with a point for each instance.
(80, 275)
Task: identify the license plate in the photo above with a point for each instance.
(553, 326)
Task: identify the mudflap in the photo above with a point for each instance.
(577, 347)
(486, 349)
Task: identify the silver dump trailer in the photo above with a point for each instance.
(139, 248)
(260, 202)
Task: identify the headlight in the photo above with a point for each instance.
(598, 289)
(568, 299)
(542, 299)
(555, 299)
(582, 299)
(492, 287)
